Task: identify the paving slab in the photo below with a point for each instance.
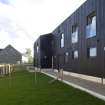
(93, 88)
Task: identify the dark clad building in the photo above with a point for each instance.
(43, 51)
(78, 44)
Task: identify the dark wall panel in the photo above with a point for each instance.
(83, 64)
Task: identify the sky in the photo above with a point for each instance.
(22, 21)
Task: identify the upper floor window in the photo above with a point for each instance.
(74, 35)
(92, 52)
(91, 25)
(62, 40)
(37, 48)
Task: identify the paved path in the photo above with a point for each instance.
(93, 88)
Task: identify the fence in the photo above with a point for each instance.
(6, 69)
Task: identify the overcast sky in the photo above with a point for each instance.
(22, 21)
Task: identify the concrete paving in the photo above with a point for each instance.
(93, 88)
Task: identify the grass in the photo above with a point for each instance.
(22, 89)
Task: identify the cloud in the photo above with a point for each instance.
(3, 36)
(4, 1)
(40, 16)
(11, 33)
(24, 20)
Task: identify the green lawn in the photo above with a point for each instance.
(21, 89)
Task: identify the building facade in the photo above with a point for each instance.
(78, 43)
(10, 55)
(43, 51)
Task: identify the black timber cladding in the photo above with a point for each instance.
(83, 65)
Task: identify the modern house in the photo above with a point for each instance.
(78, 44)
(10, 55)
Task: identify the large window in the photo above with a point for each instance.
(62, 40)
(91, 25)
(92, 52)
(74, 37)
(75, 54)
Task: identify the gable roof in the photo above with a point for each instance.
(10, 47)
(10, 55)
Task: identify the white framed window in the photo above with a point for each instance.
(62, 40)
(74, 36)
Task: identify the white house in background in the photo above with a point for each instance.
(24, 59)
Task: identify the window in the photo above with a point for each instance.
(91, 25)
(92, 52)
(62, 40)
(104, 48)
(75, 54)
(37, 48)
(66, 57)
(74, 37)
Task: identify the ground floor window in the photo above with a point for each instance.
(75, 54)
(66, 57)
(92, 52)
